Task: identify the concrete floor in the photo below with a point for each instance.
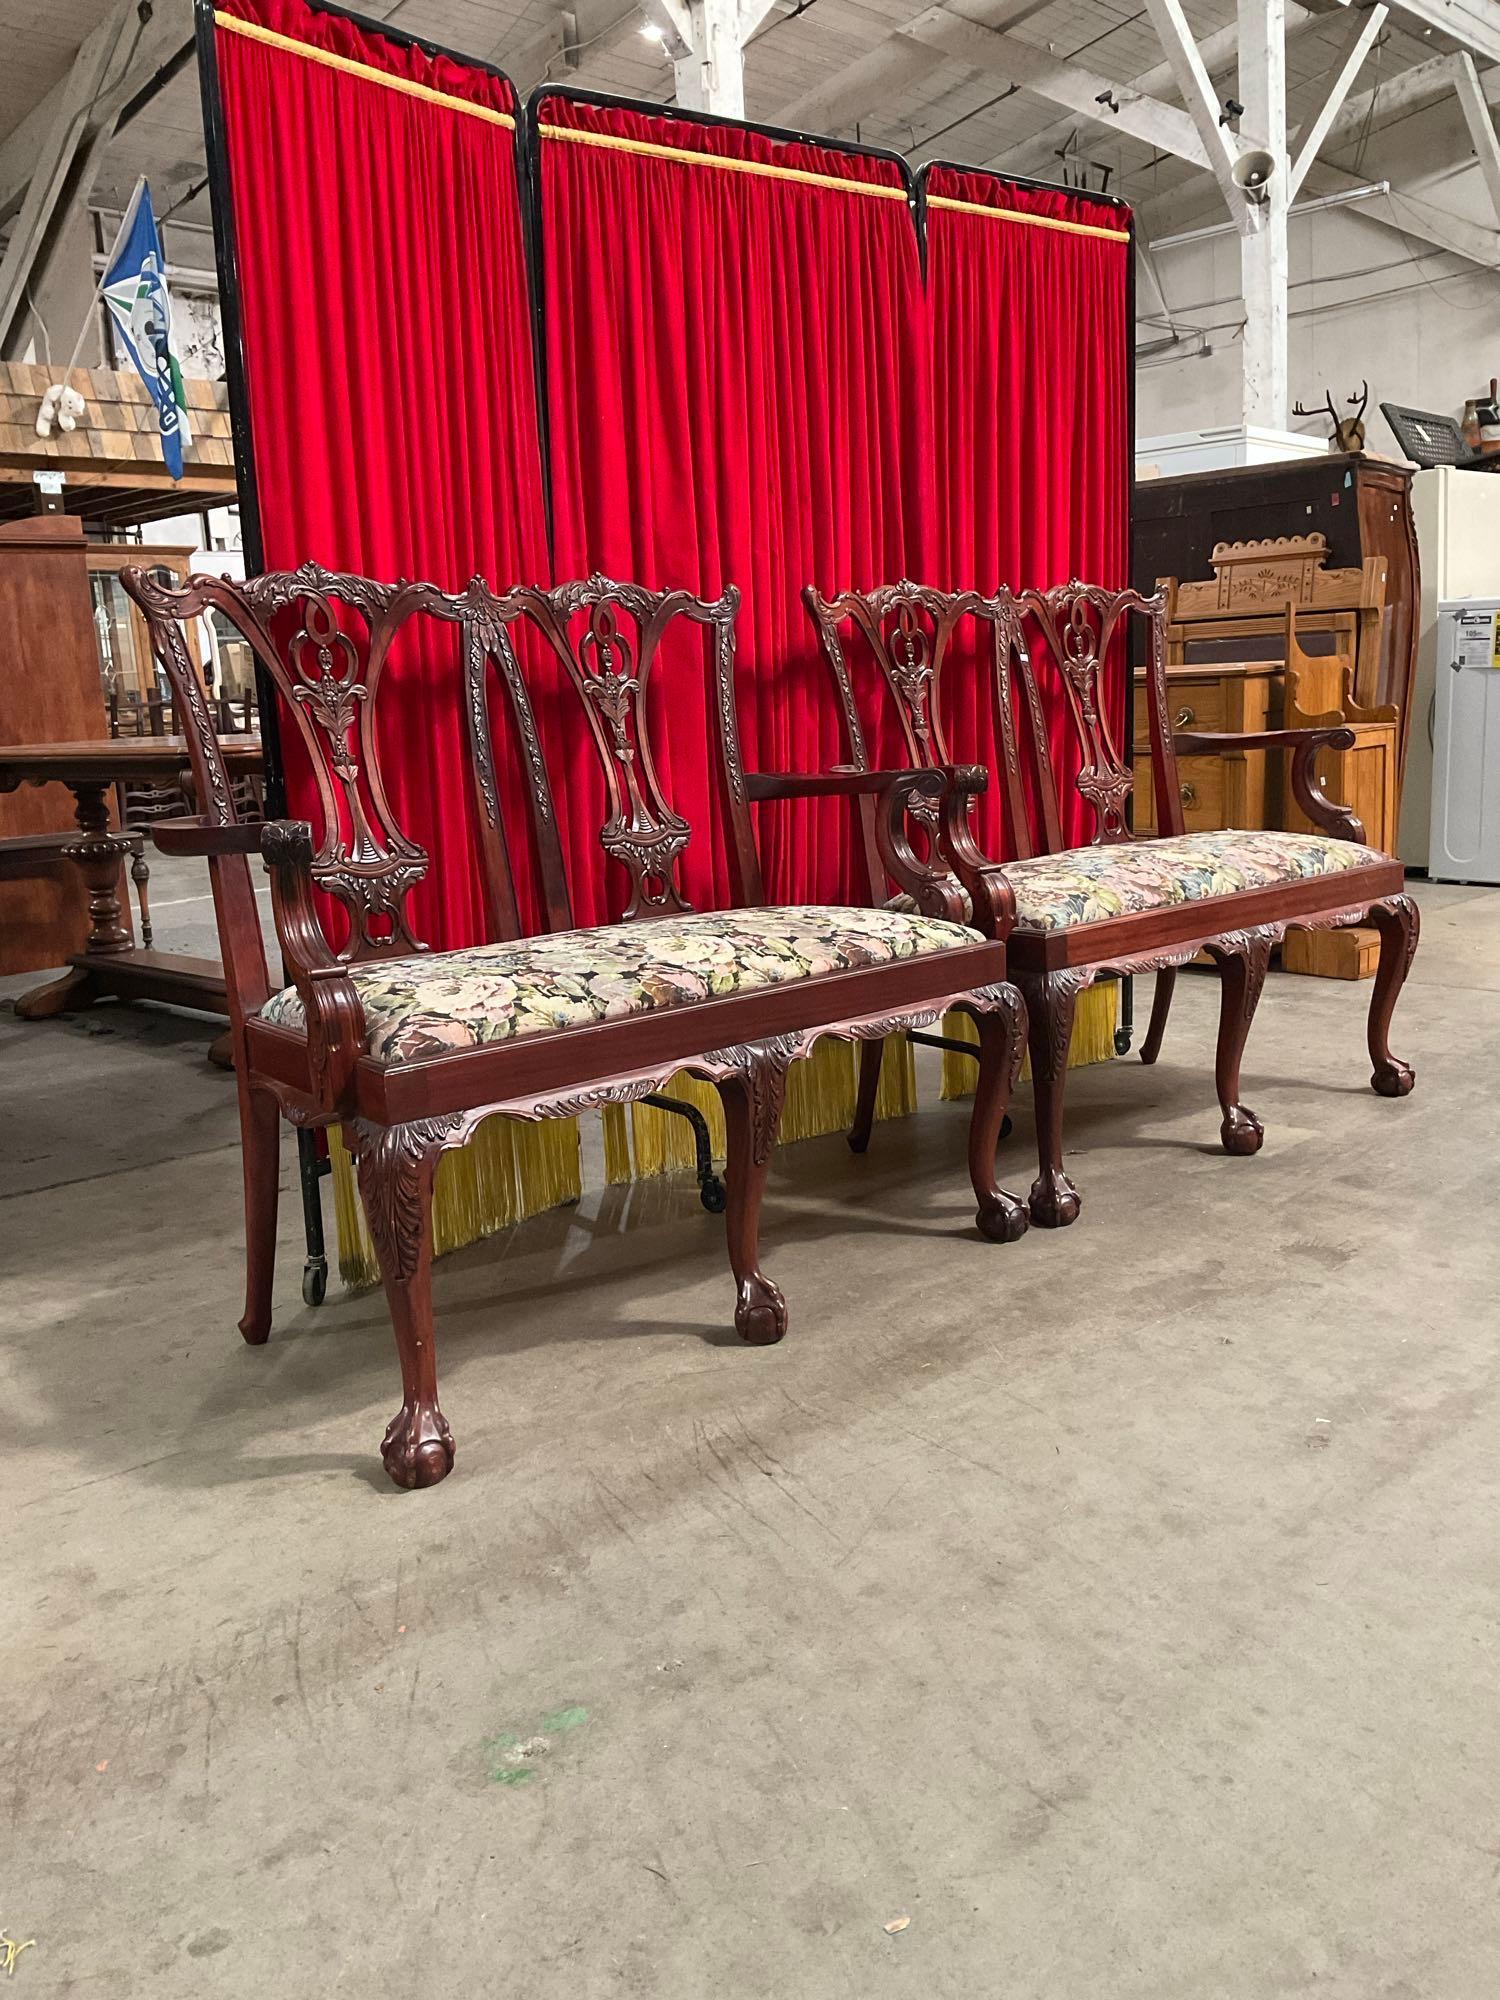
(1119, 1606)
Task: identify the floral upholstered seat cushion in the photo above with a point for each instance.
(1087, 885)
(438, 1002)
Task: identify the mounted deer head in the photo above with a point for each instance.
(1348, 432)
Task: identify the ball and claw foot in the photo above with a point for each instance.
(1003, 1219)
(418, 1447)
(1393, 1079)
(1054, 1200)
(760, 1313)
(1241, 1133)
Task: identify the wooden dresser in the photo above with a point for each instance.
(1360, 505)
(1317, 638)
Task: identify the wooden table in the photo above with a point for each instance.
(111, 963)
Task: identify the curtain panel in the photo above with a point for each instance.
(384, 322)
(368, 199)
(1029, 299)
(737, 392)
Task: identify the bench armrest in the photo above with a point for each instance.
(1304, 744)
(843, 782)
(198, 836)
(335, 1019)
(933, 887)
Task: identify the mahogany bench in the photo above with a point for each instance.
(1121, 904)
(408, 1051)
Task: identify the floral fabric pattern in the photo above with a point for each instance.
(431, 1005)
(1088, 885)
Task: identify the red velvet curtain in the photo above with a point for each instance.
(1030, 344)
(737, 393)
(387, 345)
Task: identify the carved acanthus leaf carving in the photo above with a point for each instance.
(392, 1161)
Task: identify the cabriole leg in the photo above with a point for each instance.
(870, 1055)
(752, 1098)
(396, 1166)
(260, 1149)
(1002, 1035)
(1399, 925)
(1161, 1006)
(1242, 962)
(1051, 998)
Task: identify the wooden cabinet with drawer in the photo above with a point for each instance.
(1241, 788)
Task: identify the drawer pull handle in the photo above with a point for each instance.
(1188, 794)
(1185, 719)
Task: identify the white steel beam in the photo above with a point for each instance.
(1065, 83)
(711, 76)
(1191, 78)
(1312, 135)
(1481, 126)
(1219, 51)
(1262, 218)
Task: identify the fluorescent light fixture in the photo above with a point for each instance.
(652, 32)
(1298, 208)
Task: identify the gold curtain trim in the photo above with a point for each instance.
(1028, 221)
(232, 24)
(613, 143)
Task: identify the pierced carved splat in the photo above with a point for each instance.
(605, 636)
(907, 628)
(1080, 622)
(323, 639)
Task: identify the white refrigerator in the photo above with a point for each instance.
(1464, 826)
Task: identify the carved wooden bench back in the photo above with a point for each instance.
(325, 640)
(604, 639)
(917, 635)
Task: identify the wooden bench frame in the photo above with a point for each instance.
(324, 641)
(909, 630)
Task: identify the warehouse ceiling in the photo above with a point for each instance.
(871, 69)
(802, 68)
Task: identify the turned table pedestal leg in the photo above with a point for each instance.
(98, 853)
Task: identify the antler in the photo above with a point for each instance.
(1362, 398)
(1298, 411)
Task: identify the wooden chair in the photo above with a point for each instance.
(409, 1053)
(1121, 904)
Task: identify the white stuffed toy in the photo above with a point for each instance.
(61, 405)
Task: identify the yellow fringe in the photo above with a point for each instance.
(820, 1094)
(507, 1171)
(1093, 1038)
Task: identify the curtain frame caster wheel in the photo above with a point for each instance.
(314, 1281)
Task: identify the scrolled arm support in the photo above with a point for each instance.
(992, 899)
(335, 1018)
(1307, 787)
(929, 883)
